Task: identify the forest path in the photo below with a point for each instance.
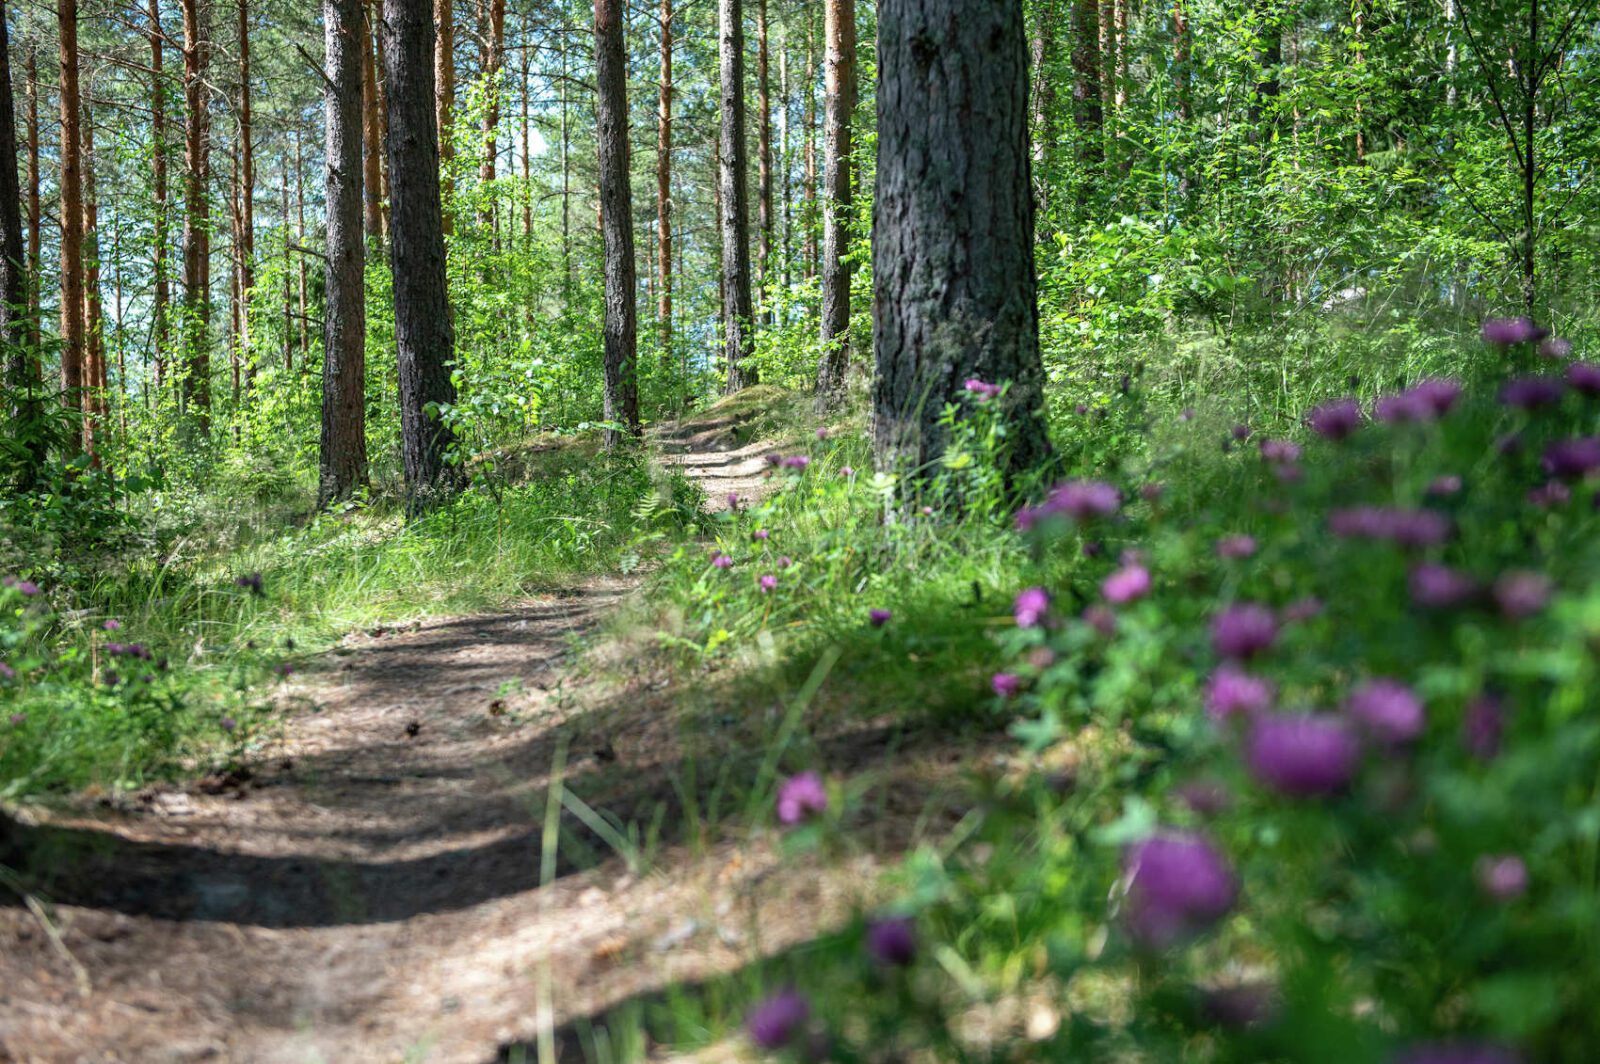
(376, 888)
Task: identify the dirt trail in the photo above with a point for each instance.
(373, 890)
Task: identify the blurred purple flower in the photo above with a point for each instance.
(878, 617)
(1204, 797)
(1521, 593)
(18, 719)
(1289, 472)
(1031, 607)
(1387, 709)
(1444, 486)
(768, 583)
(1573, 459)
(1436, 395)
(1006, 684)
(1408, 528)
(1584, 378)
(1242, 1005)
(801, 797)
(797, 462)
(1549, 495)
(1079, 500)
(1178, 887)
(1482, 726)
(1503, 878)
(1335, 420)
(784, 561)
(981, 389)
(733, 500)
(721, 561)
(1439, 586)
(228, 724)
(1126, 584)
(1532, 393)
(779, 1020)
(1151, 491)
(1241, 433)
(250, 582)
(1232, 692)
(1458, 1053)
(1081, 409)
(7, 672)
(892, 941)
(1302, 610)
(21, 587)
(822, 433)
(112, 625)
(762, 533)
(1303, 756)
(1235, 547)
(1243, 630)
(1557, 347)
(1280, 451)
(774, 459)
(1505, 332)
(847, 472)
(1186, 414)
(1101, 619)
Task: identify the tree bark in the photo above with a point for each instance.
(664, 188)
(371, 140)
(381, 86)
(1087, 113)
(493, 58)
(616, 218)
(837, 198)
(35, 214)
(444, 96)
(288, 276)
(424, 336)
(953, 224)
(763, 261)
(162, 297)
(247, 186)
(809, 119)
(526, 194)
(15, 314)
(71, 182)
(737, 315)
(196, 216)
(342, 462)
(94, 354)
(300, 237)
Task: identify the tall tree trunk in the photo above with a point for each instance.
(235, 309)
(342, 462)
(381, 84)
(94, 366)
(371, 138)
(809, 120)
(566, 176)
(616, 219)
(162, 297)
(737, 316)
(953, 228)
(35, 226)
(72, 326)
(300, 237)
(664, 188)
(1180, 87)
(492, 58)
(424, 336)
(444, 79)
(247, 194)
(1087, 112)
(14, 300)
(527, 145)
(840, 57)
(288, 278)
(1044, 93)
(196, 216)
(763, 261)
(785, 190)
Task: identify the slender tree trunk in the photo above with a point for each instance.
(371, 139)
(566, 176)
(1044, 93)
(527, 146)
(288, 279)
(381, 86)
(1087, 112)
(247, 194)
(162, 297)
(196, 216)
(809, 119)
(424, 336)
(616, 215)
(785, 191)
(300, 237)
(14, 285)
(840, 53)
(94, 366)
(72, 325)
(1452, 55)
(664, 188)
(737, 314)
(342, 463)
(1530, 172)
(953, 228)
(35, 221)
(493, 59)
(1180, 87)
(763, 263)
(235, 310)
(444, 78)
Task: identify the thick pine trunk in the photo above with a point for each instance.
(840, 79)
(247, 186)
(664, 188)
(94, 355)
(809, 120)
(763, 260)
(288, 277)
(492, 58)
(343, 458)
(424, 336)
(737, 314)
(14, 285)
(616, 220)
(71, 183)
(953, 224)
(35, 216)
(444, 96)
(196, 217)
(300, 237)
(1087, 113)
(371, 139)
(161, 299)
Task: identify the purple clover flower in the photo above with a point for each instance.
(1231, 692)
(784, 561)
(1236, 547)
(892, 941)
(983, 390)
(761, 534)
(1507, 332)
(1152, 491)
(769, 583)
(1204, 797)
(1482, 727)
(1078, 500)
(1101, 619)
(18, 719)
(1408, 528)
(801, 797)
(227, 724)
(1335, 420)
(797, 462)
(1301, 610)
(1584, 378)
(733, 500)
(1439, 586)
(878, 617)
(26, 588)
(7, 672)
(1426, 401)
(1532, 393)
(1031, 607)
(1178, 887)
(847, 472)
(1126, 584)
(1550, 495)
(779, 1020)
(720, 560)
(1303, 756)
(1006, 684)
(1503, 878)
(1442, 487)
(1243, 630)
(1557, 347)
(1280, 452)
(113, 625)
(1388, 710)
(1521, 593)
(250, 582)
(1573, 459)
